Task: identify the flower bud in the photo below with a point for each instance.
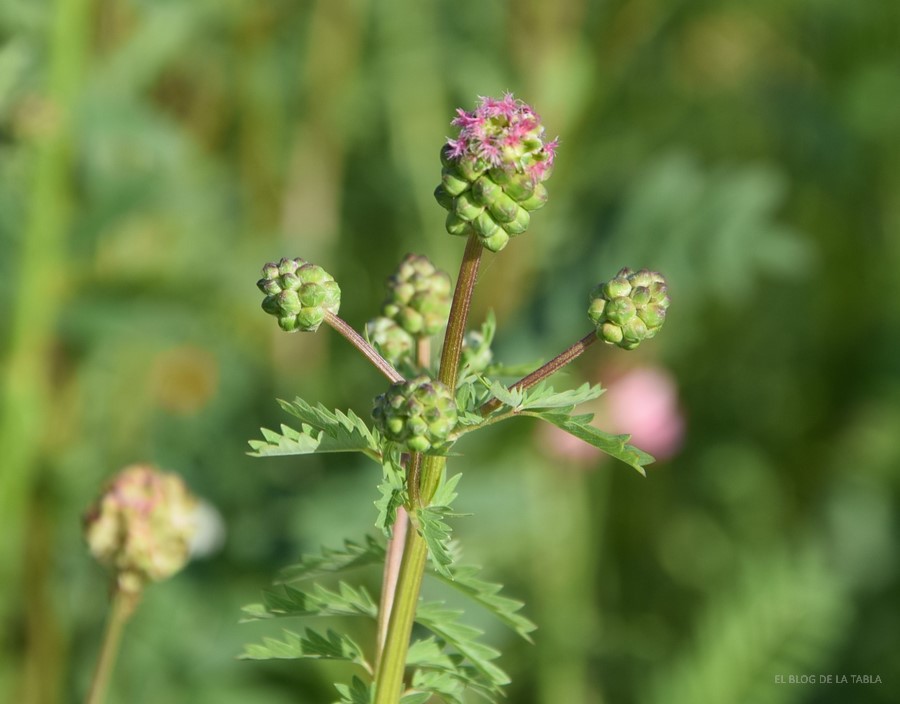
(419, 414)
(630, 308)
(298, 294)
(493, 171)
(476, 353)
(141, 526)
(392, 341)
(419, 296)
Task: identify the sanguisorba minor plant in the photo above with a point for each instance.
(492, 180)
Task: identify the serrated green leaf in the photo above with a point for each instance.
(543, 396)
(487, 594)
(508, 397)
(613, 445)
(431, 524)
(287, 442)
(330, 561)
(449, 686)
(393, 492)
(358, 692)
(416, 697)
(428, 652)
(471, 392)
(444, 623)
(321, 430)
(445, 674)
(436, 532)
(318, 601)
(446, 491)
(314, 645)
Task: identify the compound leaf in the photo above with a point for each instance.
(613, 445)
(332, 561)
(321, 430)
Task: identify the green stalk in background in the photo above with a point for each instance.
(25, 389)
(121, 607)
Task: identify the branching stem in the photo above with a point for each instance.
(541, 373)
(369, 352)
(389, 674)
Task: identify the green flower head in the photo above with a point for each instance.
(629, 308)
(419, 296)
(299, 294)
(419, 414)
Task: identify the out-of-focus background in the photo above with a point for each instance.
(154, 154)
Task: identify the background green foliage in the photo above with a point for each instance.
(154, 153)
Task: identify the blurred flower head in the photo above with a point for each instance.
(643, 402)
(142, 525)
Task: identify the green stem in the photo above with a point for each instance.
(359, 342)
(538, 375)
(394, 550)
(459, 313)
(389, 674)
(120, 610)
(26, 392)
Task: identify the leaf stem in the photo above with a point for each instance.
(541, 373)
(121, 607)
(369, 352)
(393, 557)
(389, 674)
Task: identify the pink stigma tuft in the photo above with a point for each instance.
(502, 133)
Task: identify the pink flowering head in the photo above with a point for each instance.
(141, 526)
(494, 169)
(506, 134)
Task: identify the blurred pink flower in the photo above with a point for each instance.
(643, 402)
(560, 445)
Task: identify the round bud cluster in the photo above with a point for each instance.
(629, 308)
(141, 526)
(391, 341)
(298, 294)
(493, 172)
(418, 296)
(419, 414)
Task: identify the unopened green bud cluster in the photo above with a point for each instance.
(419, 296)
(141, 526)
(298, 294)
(629, 308)
(493, 172)
(419, 414)
(392, 342)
